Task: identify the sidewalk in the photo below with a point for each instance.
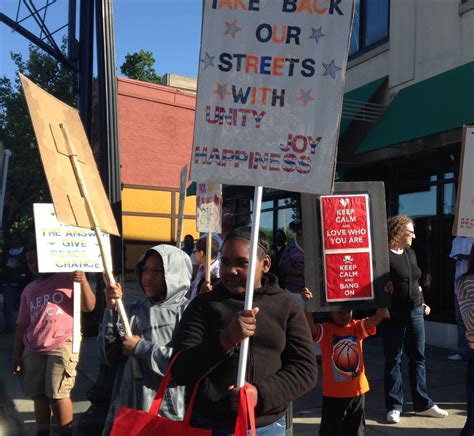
(446, 383)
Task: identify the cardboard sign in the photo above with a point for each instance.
(347, 252)
(270, 91)
(209, 207)
(64, 248)
(48, 114)
(464, 221)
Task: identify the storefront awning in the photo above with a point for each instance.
(353, 103)
(438, 104)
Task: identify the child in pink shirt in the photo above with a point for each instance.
(43, 343)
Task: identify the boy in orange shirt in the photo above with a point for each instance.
(344, 380)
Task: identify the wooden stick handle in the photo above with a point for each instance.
(106, 260)
(208, 256)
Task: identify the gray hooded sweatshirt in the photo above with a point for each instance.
(138, 377)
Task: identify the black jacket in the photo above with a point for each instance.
(281, 360)
(405, 276)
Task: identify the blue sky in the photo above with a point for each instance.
(170, 29)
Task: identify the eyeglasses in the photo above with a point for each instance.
(410, 232)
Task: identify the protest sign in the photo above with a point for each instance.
(209, 216)
(209, 207)
(182, 196)
(346, 249)
(65, 248)
(347, 252)
(74, 182)
(48, 114)
(270, 92)
(464, 218)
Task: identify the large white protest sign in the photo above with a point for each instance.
(464, 222)
(270, 92)
(65, 248)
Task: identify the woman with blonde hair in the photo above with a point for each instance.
(405, 330)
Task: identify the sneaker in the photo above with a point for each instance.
(434, 412)
(393, 416)
(455, 357)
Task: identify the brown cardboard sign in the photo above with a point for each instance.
(48, 114)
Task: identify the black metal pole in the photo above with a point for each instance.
(86, 51)
(71, 32)
(108, 120)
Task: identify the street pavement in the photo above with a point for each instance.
(446, 384)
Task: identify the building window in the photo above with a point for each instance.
(370, 27)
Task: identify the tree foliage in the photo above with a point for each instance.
(140, 66)
(26, 182)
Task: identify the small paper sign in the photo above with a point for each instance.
(209, 207)
(65, 248)
(347, 247)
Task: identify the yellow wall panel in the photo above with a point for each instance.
(146, 228)
(190, 205)
(138, 228)
(189, 227)
(145, 200)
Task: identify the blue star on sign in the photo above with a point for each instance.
(232, 28)
(316, 33)
(331, 69)
(305, 97)
(208, 60)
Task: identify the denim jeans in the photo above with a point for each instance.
(468, 429)
(277, 428)
(408, 336)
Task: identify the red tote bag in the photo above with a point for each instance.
(132, 422)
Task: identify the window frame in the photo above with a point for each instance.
(363, 32)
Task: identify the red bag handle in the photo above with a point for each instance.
(160, 393)
(246, 412)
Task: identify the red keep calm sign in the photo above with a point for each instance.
(345, 222)
(347, 247)
(348, 276)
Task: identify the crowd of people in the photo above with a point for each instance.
(200, 321)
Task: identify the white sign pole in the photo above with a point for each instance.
(76, 317)
(208, 256)
(244, 346)
(182, 195)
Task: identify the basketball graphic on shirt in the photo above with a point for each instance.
(345, 356)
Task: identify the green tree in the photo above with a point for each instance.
(140, 66)
(26, 180)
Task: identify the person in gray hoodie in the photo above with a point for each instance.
(164, 275)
